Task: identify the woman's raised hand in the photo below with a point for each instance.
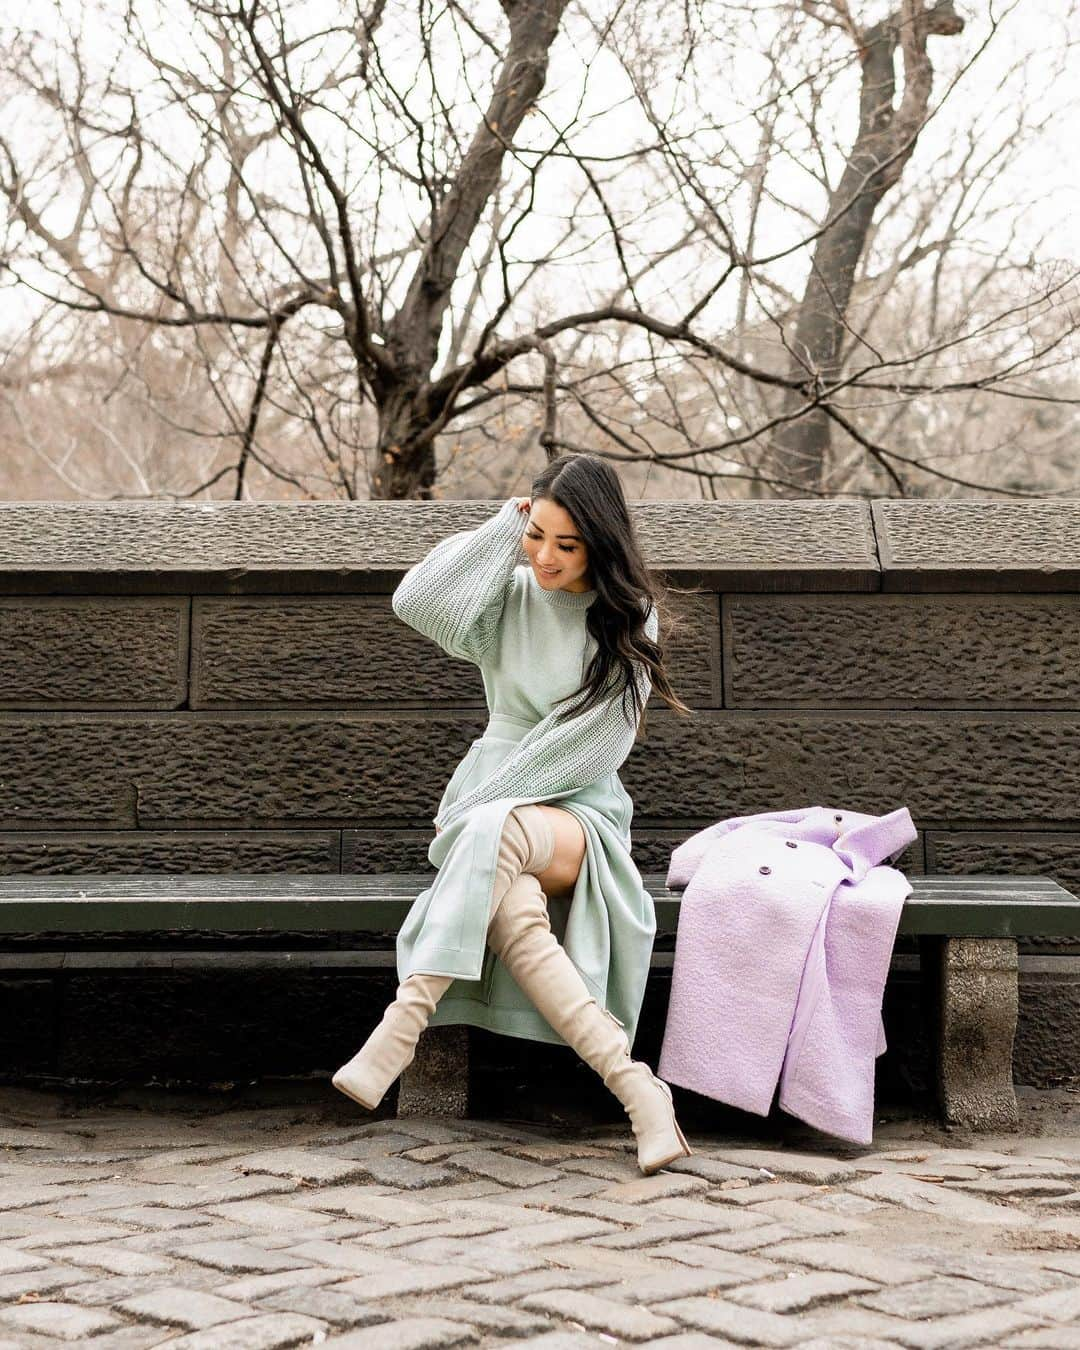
(524, 504)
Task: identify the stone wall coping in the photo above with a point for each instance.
(121, 547)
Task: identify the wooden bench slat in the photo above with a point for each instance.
(120, 903)
(214, 958)
(254, 914)
(394, 885)
(972, 917)
(199, 959)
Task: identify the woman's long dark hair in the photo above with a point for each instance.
(590, 491)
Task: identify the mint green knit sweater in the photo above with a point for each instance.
(474, 597)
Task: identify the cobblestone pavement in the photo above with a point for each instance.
(128, 1225)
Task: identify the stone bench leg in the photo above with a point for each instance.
(436, 1083)
(976, 981)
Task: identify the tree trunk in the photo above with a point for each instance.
(885, 142)
(406, 456)
(405, 452)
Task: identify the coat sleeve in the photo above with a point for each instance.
(555, 758)
(455, 594)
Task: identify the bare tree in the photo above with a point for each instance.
(885, 141)
(904, 312)
(351, 250)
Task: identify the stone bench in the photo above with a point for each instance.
(967, 929)
(192, 688)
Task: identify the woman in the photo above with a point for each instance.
(533, 830)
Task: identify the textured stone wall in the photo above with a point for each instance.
(226, 688)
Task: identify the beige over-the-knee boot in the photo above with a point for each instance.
(521, 936)
(527, 841)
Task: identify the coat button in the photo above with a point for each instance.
(838, 817)
(764, 868)
(791, 843)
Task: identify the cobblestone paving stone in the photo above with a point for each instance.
(205, 1224)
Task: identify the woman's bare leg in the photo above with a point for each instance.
(559, 877)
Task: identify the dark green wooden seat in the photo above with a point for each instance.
(967, 927)
(967, 906)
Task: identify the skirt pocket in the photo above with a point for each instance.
(459, 777)
(608, 796)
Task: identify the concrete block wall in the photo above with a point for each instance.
(226, 688)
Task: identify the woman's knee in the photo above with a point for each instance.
(559, 876)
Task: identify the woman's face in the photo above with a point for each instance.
(566, 556)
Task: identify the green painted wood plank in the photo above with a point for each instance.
(255, 914)
(972, 917)
(315, 959)
(391, 885)
(962, 906)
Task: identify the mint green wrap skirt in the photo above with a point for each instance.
(606, 927)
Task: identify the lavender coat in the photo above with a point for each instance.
(786, 929)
